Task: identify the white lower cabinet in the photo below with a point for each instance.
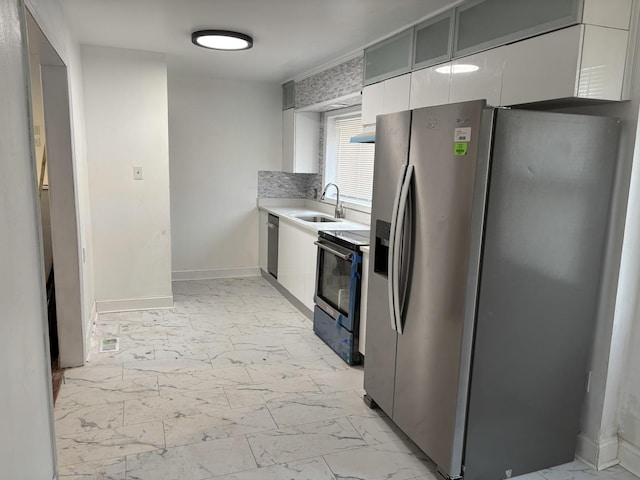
(297, 262)
(263, 239)
(363, 302)
(308, 262)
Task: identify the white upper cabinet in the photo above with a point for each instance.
(607, 13)
(385, 97)
(372, 98)
(477, 77)
(388, 58)
(587, 62)
(430, 86)
(396, 94)
(300, 141)
(484, 24)
(432, 41)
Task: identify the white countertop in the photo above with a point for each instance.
(290, 214)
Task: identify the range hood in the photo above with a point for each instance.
(368, 135)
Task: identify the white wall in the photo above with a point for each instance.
(629, 414)
(26, 444)
(125, 98)
(620, 288)
(221, 133)
(74, 70)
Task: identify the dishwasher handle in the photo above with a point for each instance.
(344, 256)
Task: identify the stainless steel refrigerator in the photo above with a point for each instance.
(487, 242)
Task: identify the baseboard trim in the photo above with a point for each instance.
(129, 304)
(180, 275)
(285, 293)
(629, 457)
(597, 455)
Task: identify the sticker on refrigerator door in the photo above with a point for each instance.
(462, 134)
(460, 149)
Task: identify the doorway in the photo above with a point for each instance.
(50, 108)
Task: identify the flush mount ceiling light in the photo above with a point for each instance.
(459, 68)
(221, 40)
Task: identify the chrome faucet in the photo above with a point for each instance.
(339, 213)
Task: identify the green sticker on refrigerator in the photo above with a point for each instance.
(460, 148)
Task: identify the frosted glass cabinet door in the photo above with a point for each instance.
(388, 58)
(482, 24)
(432, 40)
(288, 95)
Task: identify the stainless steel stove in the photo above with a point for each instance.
(336, 316)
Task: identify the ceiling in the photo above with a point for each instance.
(290, 36)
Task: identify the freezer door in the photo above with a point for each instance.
(547, 216)
(391, 157)
(449, 181)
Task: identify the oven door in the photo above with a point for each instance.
(337, 279)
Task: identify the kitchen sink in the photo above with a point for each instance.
(315, 219)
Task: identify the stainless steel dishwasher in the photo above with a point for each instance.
(272, 246)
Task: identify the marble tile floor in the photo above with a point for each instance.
(231, 384)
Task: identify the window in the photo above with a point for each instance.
(349, 165)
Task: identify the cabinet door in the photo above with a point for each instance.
(432, 41)
(363, 302)
(288, 139)
(532, 74)
(300, 141)
(288, 95)
(478, 77)
(483, 24)
(306, 140)
(287, 256)
(612, 13)
(430, 86)
(372, 98)
(396, 94)
(388, 58)
(308, 263)
(263, 241)
(604, 53)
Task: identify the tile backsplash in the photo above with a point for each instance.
(272, 184)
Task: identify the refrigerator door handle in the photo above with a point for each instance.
(397, 246)
(392, 238)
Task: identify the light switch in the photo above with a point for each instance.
(137, 173)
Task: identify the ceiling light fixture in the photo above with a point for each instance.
(221, 40)
(459, 68)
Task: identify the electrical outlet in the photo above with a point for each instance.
(137, 173)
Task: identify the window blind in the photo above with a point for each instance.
(354, 161)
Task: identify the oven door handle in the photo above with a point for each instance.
(338, 254)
